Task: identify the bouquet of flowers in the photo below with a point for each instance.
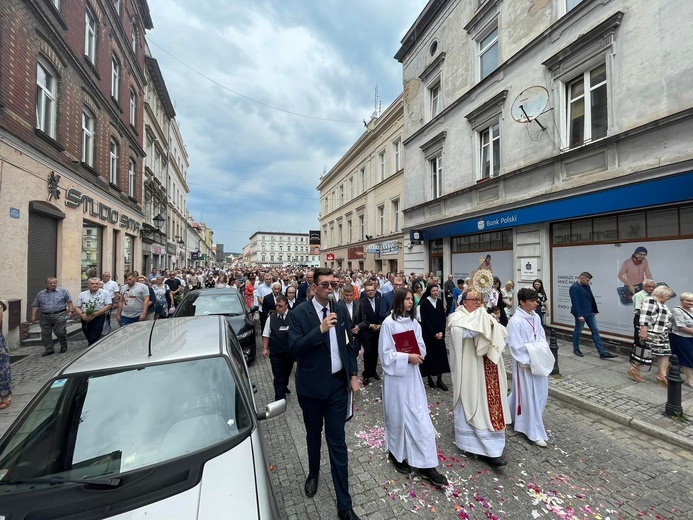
(91, 306)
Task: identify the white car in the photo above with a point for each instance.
(157, 420)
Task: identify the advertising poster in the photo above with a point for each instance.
(667, 261)
(501, 263)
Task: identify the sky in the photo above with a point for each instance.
(252, 167)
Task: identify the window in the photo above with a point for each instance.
(131, 178)
(341, 195)
(363, 180)
(46, 96)
(116, 4)
(113, 162)
(88, 124)
(362, 228)
(435, 178)
(397, 146)
(570, 4)
(90, 35)
(490, 151)
(133, 106)
(381, 162)
(339, 235)
(395, 216)
(488, 53)
(133, 39)
(115, 78)
(56, 3)
(349, 236)
(381, 219)
(587, 107)
(351, 188)
(148, 159)
(435, 99)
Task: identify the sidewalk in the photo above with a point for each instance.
(602, 386)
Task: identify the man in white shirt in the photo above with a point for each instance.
(91, 306)
(113, 289)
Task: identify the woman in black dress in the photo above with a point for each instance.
(433, 332)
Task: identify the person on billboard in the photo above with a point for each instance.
(634, 270)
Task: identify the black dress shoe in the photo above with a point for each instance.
(402, 467)
(431, 383)
(607, 355)
(48, 353)
(442, 385)
(63, 349)
(376, 377)
(366, 381)
(578, 353)
(287, 391)
(311, 486)
(347, 515)
(496, 461)
(432, 475)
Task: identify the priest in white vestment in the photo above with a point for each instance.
(479, 381)
(409, 434)
(530, 391)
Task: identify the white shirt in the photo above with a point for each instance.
(111, 288)
(97, 300)
(334, 346)
(266, 330)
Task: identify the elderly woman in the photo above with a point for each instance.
(681, 335)
(655, 319)
(508, 294)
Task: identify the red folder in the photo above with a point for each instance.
(406, 342)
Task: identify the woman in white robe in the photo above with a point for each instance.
(409, 434)
(530, 392)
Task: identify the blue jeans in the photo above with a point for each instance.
(591, 322)
(124, 320)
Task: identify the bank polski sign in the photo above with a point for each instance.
(490, 223)
(389, 248)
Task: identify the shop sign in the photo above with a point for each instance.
(170, 249)
(355, 253)
(194, 255)
(75, 198)
(389, 248)
(330, 257)
(529, 268)
(156, 250)
(373, 248)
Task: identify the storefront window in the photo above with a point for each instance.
(91, 253)
(494, 241)
(127, 253)
(631, 226)
(436, 246)
(686, 221)
(581, 231)
(605, 229)
(663, 223)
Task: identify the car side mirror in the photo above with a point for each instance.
(272, 410)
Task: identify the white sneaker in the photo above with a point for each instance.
(541, 443)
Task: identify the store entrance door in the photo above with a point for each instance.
(42, 248)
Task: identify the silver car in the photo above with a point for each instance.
(156, 420)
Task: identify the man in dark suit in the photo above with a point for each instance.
(275, 344)
(368, 323)
(269, 302)
(303, 287)
(321, 342)
(352, 307)
(388, 298)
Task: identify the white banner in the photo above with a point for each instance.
(668, 261)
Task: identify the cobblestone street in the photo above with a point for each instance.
(594, 467)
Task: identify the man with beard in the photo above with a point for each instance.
(635, 270)
(478, 380)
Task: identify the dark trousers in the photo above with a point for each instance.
(263, 320)
(370, 355)
(53, 324)
(331, 412)
(93, 329)
(636, 333)
(282, 364)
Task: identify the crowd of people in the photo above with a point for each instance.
(448, 328)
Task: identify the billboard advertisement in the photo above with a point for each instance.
(612, 265)
(499, 262)
(314, 242)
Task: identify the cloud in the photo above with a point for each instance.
(253, 167)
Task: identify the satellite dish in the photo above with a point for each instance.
(529, 104)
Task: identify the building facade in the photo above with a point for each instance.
(72, 87)
(551, 139)
(361, 199)
(276, 249)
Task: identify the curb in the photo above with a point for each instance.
(623, 419)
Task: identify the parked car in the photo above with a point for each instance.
(226, 302)
(156, 420)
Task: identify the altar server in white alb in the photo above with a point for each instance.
(532, 363)
(409, 434)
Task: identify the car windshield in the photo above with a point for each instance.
(97, 425)
(210, 302)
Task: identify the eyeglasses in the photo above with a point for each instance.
(325, 285)
(472, 300)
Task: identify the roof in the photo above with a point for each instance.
(160, 85)
(173, 339)
(424, 20)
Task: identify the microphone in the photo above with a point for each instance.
(330, 302)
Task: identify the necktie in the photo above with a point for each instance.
(373, 304)
(326, 335)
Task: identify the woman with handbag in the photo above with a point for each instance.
(655, 319)
(681, 335)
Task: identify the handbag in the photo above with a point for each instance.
(641, 355)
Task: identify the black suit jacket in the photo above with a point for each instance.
(367, 316)
(307, 344)
(268, 304)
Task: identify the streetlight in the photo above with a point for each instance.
(158, 222)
